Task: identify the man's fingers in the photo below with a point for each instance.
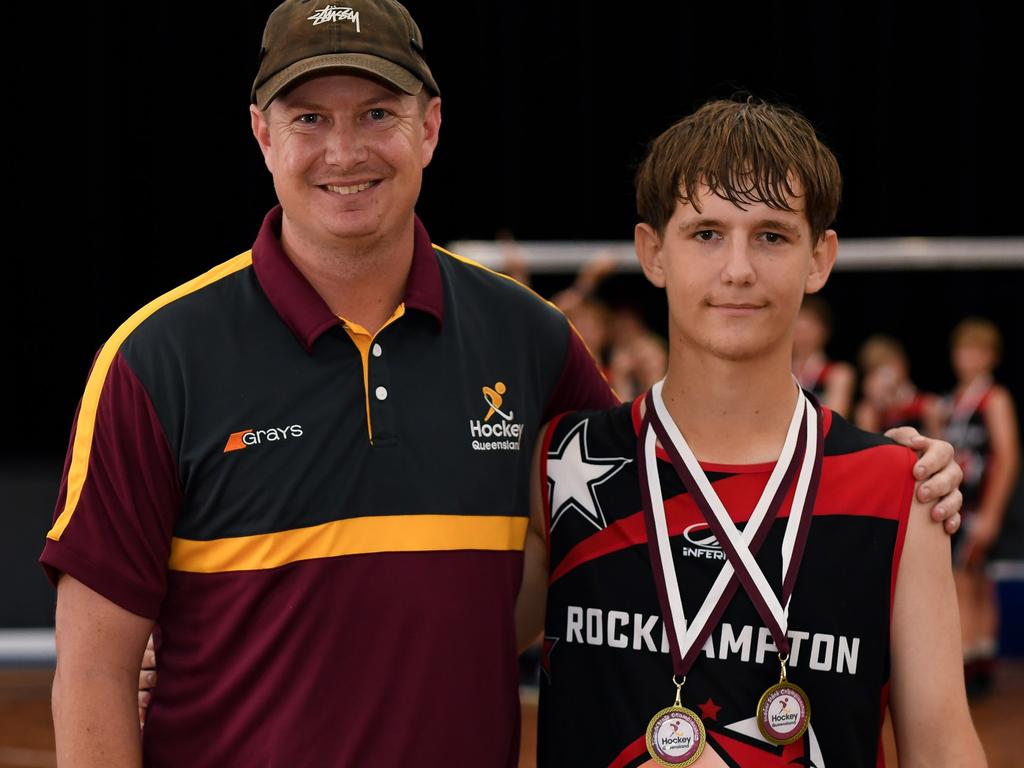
(147, 679)
(944, 485)
(149, 659)
(952, 523)
(937, 455)
(144, 698)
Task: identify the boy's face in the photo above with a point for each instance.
(735, 277)
(972, 359)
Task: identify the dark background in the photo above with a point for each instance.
(134, 169)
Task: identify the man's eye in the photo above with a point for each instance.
(774, 237)
(309, 119)
(377, 114)
(706, 235)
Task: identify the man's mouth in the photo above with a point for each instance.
(350, 189)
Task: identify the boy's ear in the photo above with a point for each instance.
(823, 259)
(648, 252)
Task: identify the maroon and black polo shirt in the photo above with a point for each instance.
(326, 526)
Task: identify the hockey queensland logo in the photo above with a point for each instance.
(498, 429)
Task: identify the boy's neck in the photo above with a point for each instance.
(731, 412)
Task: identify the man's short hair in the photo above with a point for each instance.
(746, 152)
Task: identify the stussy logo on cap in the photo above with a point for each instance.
(335, 13)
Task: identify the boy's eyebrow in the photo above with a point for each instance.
(786, 226)
(707, 223)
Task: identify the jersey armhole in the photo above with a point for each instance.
(906, 503)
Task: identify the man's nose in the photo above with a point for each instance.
(346, 146)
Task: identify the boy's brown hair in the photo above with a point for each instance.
(746, 152)
(979, 332)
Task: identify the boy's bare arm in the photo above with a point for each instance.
(929, 705)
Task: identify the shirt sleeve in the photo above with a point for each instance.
(119, 495)
(581, 386)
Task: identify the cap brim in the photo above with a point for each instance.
(386, 70)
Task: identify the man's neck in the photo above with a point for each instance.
(731, 412)
(363, 281)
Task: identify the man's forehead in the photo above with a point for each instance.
(349, 84)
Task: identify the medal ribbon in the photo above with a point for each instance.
(803, 448)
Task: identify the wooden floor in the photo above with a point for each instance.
(26, 730)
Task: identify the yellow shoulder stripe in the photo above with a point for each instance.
(82, 447)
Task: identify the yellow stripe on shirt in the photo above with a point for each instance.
(355, 536)
(82, 447)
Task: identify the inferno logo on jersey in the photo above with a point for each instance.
(247, 438)
(704, 543)
(495, 434)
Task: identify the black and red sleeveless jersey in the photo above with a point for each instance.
(606, 668)
(968, 434)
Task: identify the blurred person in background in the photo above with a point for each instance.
(636, 364)
(979, 419)
(889, 397)
(831, 381)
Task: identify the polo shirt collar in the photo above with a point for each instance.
(301, 307)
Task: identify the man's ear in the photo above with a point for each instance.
(431, 129)
(261, 130)
(648, 252)
(822, 260)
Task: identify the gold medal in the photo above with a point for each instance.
(784, 711)
(676, 735)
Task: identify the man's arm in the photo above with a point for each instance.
(533, 593)
(99, 647)
(938, 472)
(929, 704)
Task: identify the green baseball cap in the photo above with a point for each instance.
(378, 37)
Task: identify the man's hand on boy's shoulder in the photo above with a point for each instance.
(938, 474)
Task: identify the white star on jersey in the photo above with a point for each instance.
(573, 477)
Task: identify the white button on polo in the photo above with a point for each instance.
(377, 351)
(382, 393)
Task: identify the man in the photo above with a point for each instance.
(295, 466)
(782, 642)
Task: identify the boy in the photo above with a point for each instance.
(980, 421)
(836, 591)
(891, 399)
